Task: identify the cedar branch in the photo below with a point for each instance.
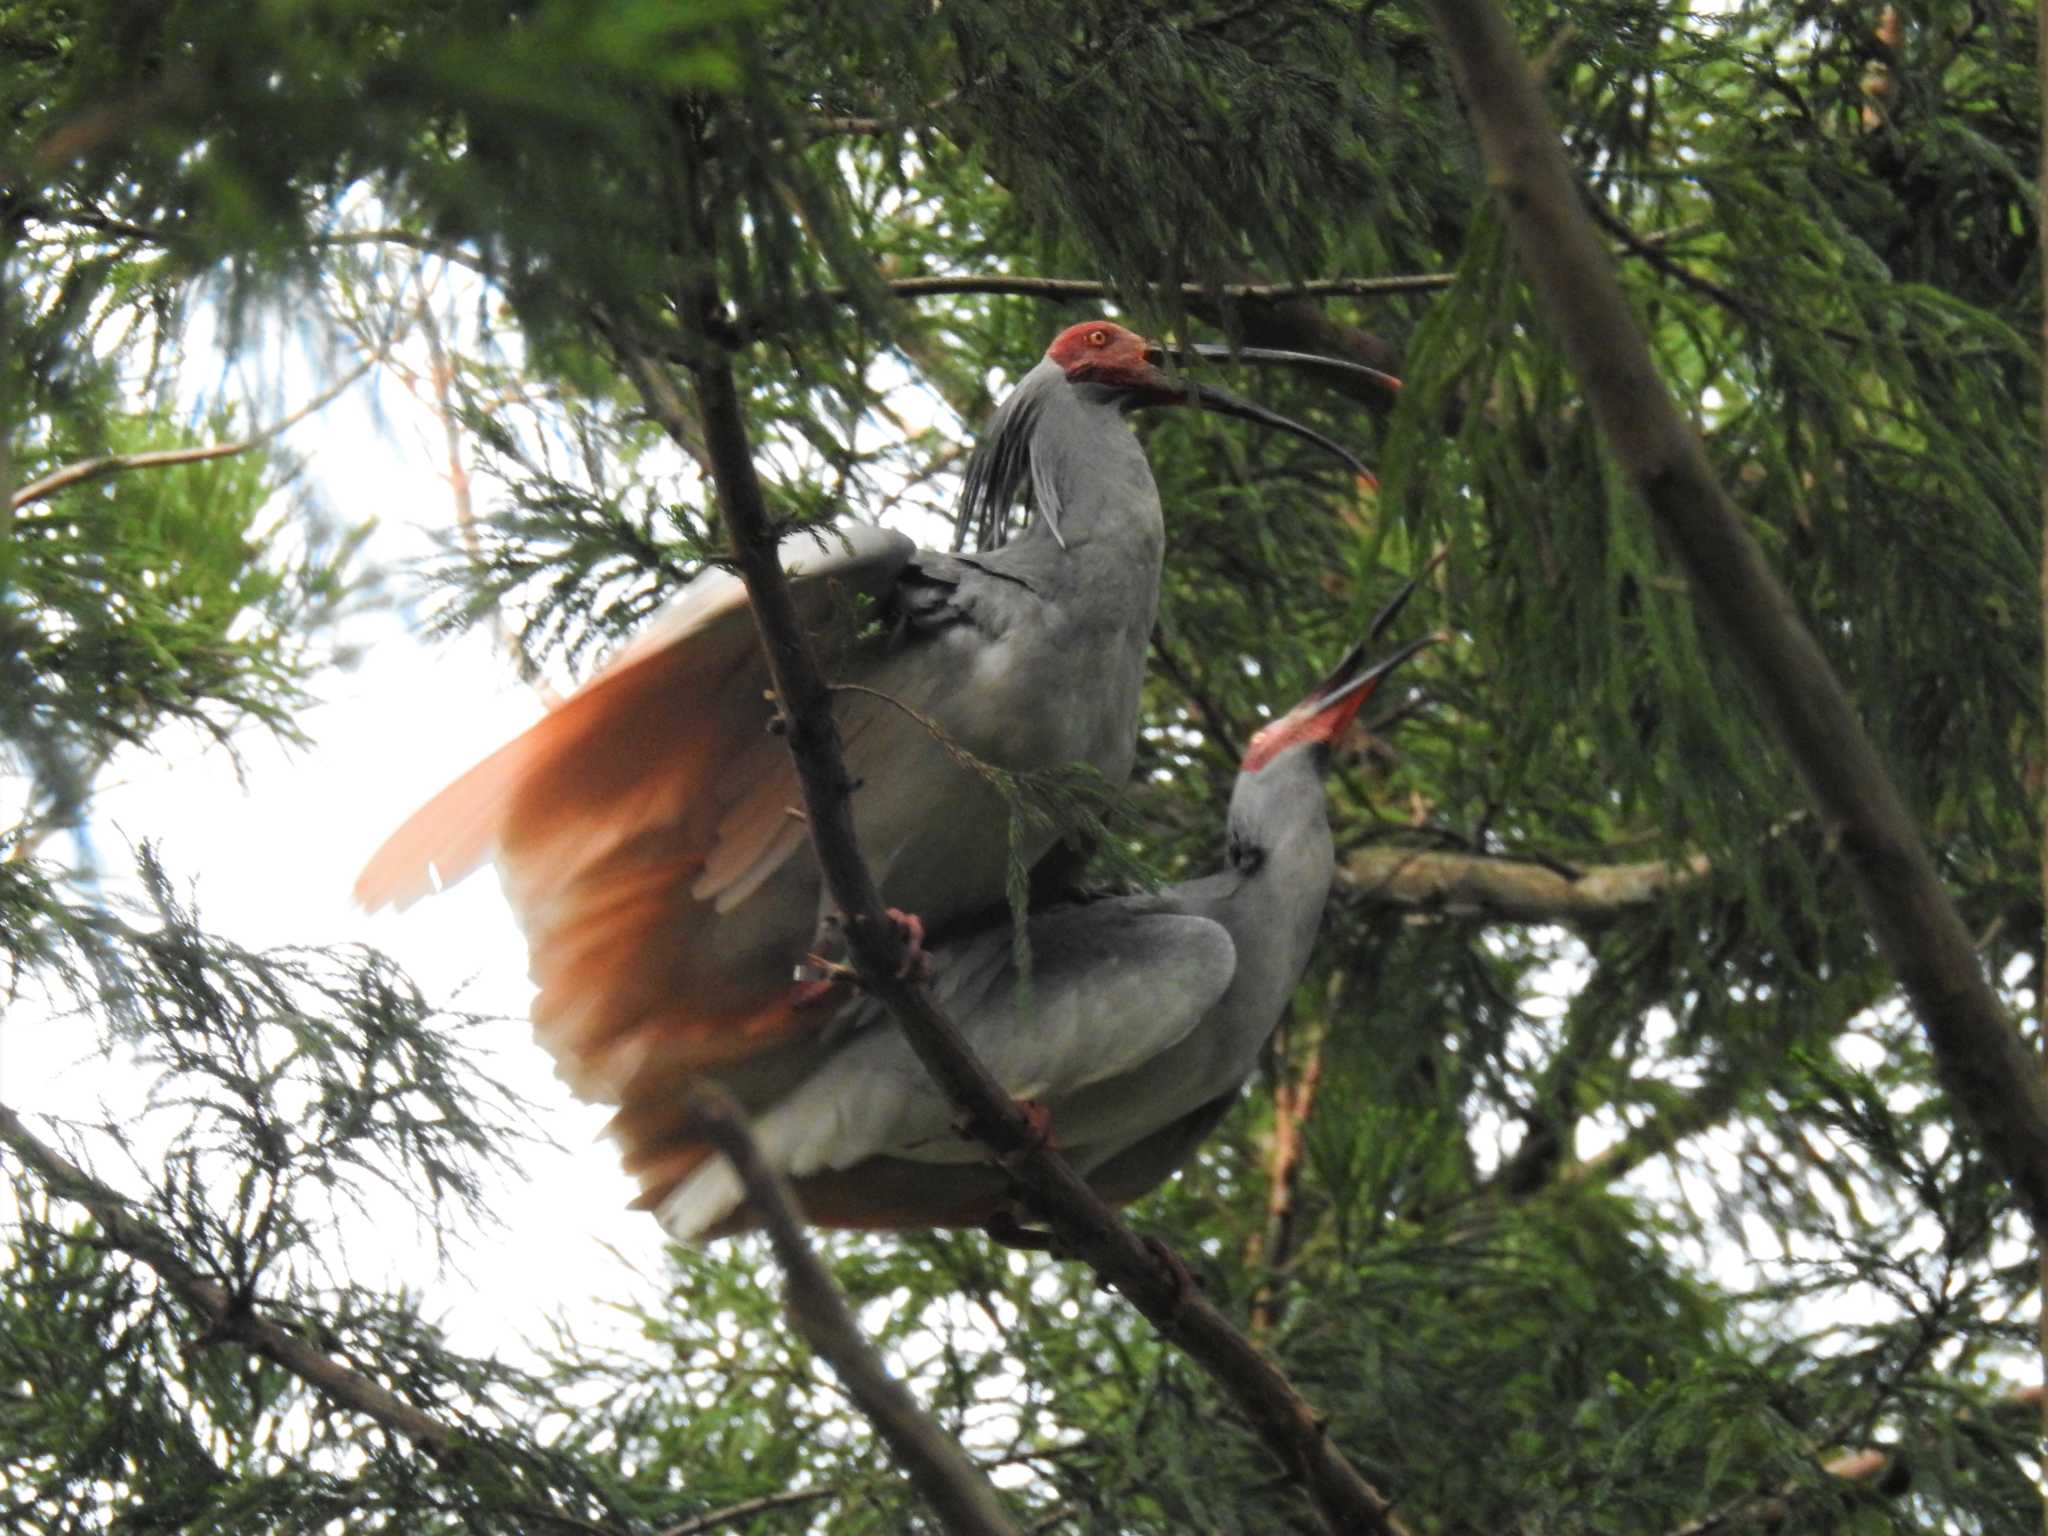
(963, 1499)
(225, 1316)
(1085, 1226)
(1982, 1061)
(87, 470)
(228, 1318)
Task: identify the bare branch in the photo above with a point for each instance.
(1151, 1280)
(87, 470)
(229, 1318)
(1982, 1061)
(733, 1514)
(1511, 890)
(963, 1499)
(1081, 288)
(1888, 36)
(225, 1316)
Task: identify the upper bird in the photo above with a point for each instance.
(643, 827)
(1143, 1017)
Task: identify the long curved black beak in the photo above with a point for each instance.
(1220, 352)
(1351, 674)
(1347, 679)
(1209, 398)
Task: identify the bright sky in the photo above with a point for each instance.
(270, 861)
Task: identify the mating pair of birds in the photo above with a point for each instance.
(643, 834)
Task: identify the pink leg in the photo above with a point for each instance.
(917, 965)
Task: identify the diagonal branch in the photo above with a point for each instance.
(1084, 1225)
(226, 1316)
(229, 1318)
(87, 470)
(963, 1499)
(1985, 1067)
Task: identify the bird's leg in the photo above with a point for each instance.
(1040, 1118)
(916, 964)
(1037, 1117)
(828, 946)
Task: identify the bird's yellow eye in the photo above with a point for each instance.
(1098, 338)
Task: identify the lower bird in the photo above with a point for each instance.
(1142, 1018)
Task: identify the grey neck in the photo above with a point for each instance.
(1283, 859)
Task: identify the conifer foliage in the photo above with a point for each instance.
(1598, 1178)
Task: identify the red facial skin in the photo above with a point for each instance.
(1103, 352)
(1304, 722)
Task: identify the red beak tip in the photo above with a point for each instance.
(1369, 480)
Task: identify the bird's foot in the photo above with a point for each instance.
(1038, 1131)
(916, 965)
(1040, 1120)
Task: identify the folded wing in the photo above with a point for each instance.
(1112, 985)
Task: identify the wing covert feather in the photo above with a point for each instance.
(1112, 986)
(597, 762)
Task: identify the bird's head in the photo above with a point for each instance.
(1103, 353)
(1118, 365)
(1321, 718)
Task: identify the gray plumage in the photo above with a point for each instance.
(1143, 1017)
(642, 829)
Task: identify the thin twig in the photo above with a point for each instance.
(1149, 1279)
(1082, 288)
(1985, 1066)
(228, 1318)
(964, 1500)
(733, 1514)
(86, 470)
(2041, 958)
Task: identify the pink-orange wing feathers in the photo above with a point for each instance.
(630, 824)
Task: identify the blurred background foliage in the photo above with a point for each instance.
(1631, 1208)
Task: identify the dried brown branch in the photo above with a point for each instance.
(959, 1495)
(1983, 1063)
(1294, 1099)
(1084, 1225)
(87, 470)
(1511, 890)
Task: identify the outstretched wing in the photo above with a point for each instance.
(1112, 985)
(640, 812)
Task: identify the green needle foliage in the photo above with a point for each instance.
(1631, 1216)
